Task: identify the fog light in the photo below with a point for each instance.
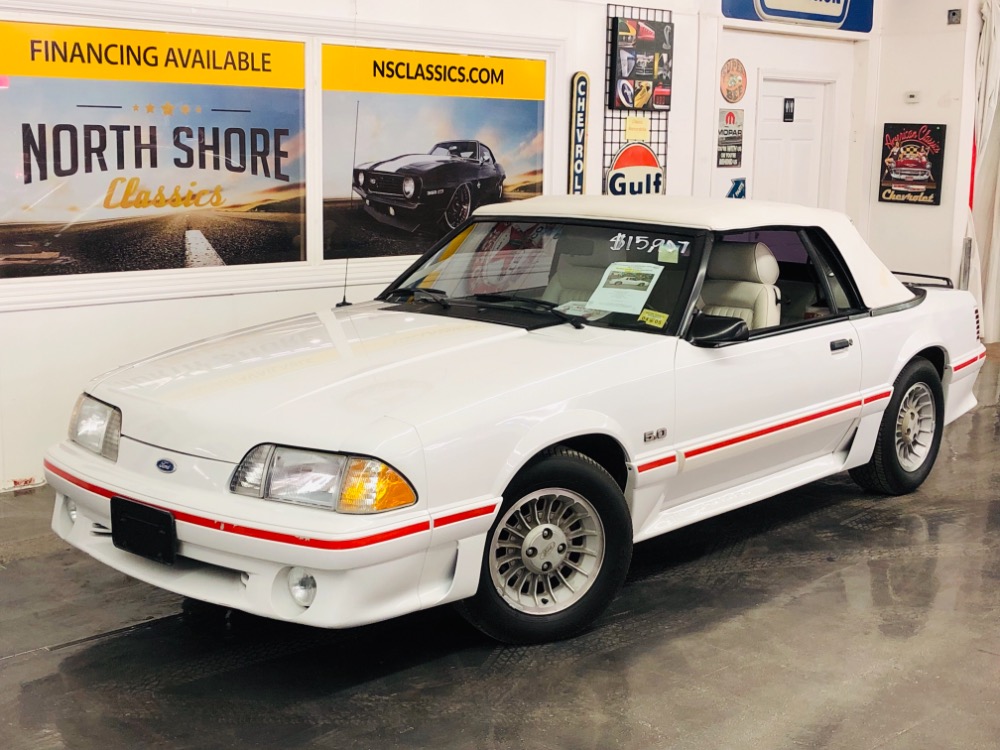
(392, 211)
(302, 586)
(71, 510)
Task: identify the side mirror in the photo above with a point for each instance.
(717, 330)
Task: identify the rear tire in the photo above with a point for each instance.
(910, 434)
(557, 553)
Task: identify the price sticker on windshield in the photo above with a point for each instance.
(667, 251)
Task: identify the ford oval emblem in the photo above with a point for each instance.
(165, 465)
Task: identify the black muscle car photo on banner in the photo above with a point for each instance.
(403, 165)
(434, 190)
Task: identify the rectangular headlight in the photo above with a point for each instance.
(305, 477)
(334, 481)
(96, 426)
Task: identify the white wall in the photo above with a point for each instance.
(786, 50)
(921, 52)
(796, 58)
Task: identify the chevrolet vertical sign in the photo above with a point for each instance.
(844, 15)
(579, 96)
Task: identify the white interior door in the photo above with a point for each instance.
(791, 161)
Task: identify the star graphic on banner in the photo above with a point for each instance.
(197, 109)
(150, 108)
(135, 107)
(185, 109)
(168, 108)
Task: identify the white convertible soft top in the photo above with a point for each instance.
(876, 283)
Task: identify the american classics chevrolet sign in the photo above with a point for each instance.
(845, 15)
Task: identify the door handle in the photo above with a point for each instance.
(836, 346)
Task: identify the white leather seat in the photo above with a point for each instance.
(579, 270)
(740, 283)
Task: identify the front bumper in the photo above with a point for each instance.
(236, 551)
(399, 212)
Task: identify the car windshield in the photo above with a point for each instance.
(611, 275)
(458, 149)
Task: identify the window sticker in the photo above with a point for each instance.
(670, 251)
(579, 308)
(625, 287)
(653, 318)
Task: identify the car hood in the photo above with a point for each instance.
(349, 379)
(409, 163)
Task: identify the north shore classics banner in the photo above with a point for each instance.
(414, 141)
(127, 150)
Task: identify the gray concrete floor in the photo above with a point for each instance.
(822, 618)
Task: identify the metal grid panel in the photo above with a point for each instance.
(614, 119)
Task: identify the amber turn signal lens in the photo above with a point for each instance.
(372, 487)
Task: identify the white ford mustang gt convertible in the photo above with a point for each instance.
(560, 378)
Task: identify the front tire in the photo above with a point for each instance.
(910, 434)
(459, 207)
(557, 553)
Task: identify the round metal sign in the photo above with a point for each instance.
(733, 81)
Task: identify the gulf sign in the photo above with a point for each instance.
(635, 170)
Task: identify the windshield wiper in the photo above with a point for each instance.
(535, 305)
(424, 294)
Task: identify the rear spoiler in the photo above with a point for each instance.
(942, 282)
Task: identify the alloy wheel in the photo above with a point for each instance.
(547, 551)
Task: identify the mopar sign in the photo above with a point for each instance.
(730, 153)
(635, 170)
(845, 15)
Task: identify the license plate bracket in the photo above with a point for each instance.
(144, 531)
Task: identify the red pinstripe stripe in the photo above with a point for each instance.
(877, 397)
(769, 430)
(464, 515)
(78, 482)
(968, 362)
(247, 531)
(657, 463)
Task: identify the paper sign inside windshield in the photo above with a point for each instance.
(579, 308)
(625, 287)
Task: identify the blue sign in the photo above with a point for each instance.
(738, 188)
(845, 15)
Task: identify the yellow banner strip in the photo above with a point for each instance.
(388, 71)
(83, 52)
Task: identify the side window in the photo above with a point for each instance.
(811, 284)
(487, 156)
(837, 282)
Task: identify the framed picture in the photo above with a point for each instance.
(912, 161)
(641, 65)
